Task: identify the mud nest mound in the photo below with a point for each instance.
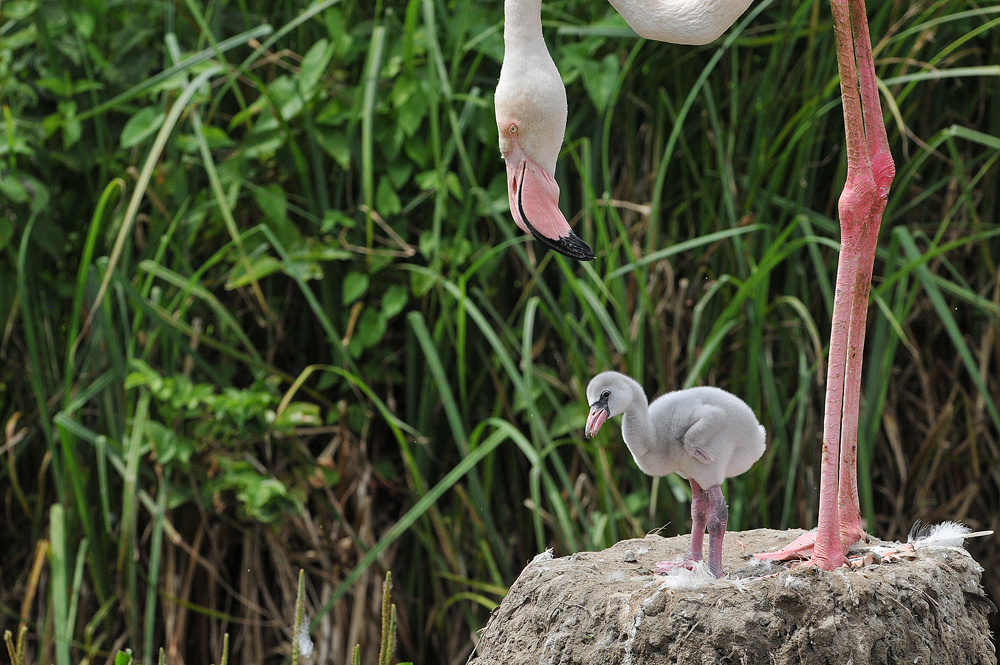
(598, 608)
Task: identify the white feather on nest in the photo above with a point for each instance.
(945, 534)
(542, 556)
(682, 578)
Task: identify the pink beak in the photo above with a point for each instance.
(534, 204)
(598, 414)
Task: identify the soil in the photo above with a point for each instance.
(924, 606)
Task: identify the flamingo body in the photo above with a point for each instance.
(681, 21)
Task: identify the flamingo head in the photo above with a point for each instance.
(608, 396)
(530, 106)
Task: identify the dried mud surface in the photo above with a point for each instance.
(608, 607)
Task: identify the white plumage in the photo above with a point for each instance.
(680, 21)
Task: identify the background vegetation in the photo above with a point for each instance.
(263, 306)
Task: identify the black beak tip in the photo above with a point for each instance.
(573, 247)
(569, 245)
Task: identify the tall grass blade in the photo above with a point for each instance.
(60, 556)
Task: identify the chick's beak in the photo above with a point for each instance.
(599, 412)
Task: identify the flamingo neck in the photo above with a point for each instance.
(654, 453)
(637, 428)
(530, 92)
(522, 23)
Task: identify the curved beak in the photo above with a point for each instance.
(534, 204)
(599, 412)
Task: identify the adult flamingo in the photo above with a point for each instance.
(531, 120)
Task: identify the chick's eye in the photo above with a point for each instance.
(605, 395)
(512, 129)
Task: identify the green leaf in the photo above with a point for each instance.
(428, 243)
(273, 202)
(141, 126)
(246, 114)
(72, 131)
(217, 137)
(12, 188)
(370, 330)
(299, 414)
(386, 201)
(18, 10)
(394, 300)
(70, 125)
(265, 139)
(325, 253)
(599, 79)
(313, 65)
(433, 180)
(333, 219)
(51, 124)
(335, 143)
(354, 286)
(171, 448)
(338, 27)
(260, 267)
(263, 498)
(371, 327)
(84, 23)
(410, 108)
(86, 86)
(399, 173)
(304, 270)
(284, 91)
(56, 86)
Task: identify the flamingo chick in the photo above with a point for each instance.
(703, 434)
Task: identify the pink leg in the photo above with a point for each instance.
(849, 513)
(708, 508)
(881, 170)
(869, 174)
(718, 517)
(699, 516)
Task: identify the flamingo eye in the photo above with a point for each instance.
(512, 129)
(606, 395)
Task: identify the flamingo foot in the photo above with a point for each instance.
(668, 567)
(799, 549)
(802, 550)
